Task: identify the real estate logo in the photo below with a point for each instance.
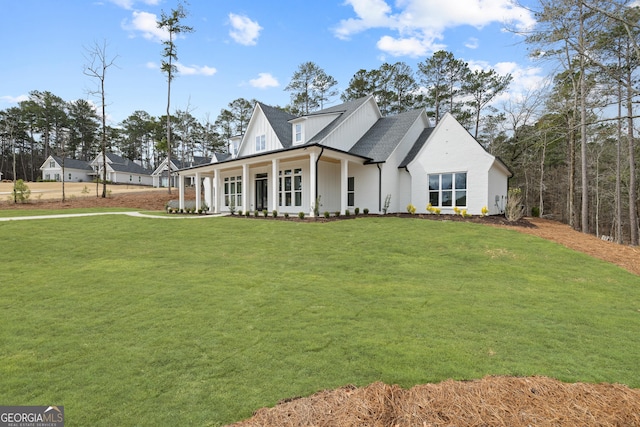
(31, 416)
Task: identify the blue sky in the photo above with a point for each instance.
(244, 48)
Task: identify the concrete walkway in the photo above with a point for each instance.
(135, 214)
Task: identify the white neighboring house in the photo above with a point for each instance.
(121, 170)
(159, 175)
(74, 170)
(350, 156)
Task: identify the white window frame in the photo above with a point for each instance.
(437, 192)
(261, 143)
(298, 133)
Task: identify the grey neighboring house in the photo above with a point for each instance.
(74, 170)
(121, 170)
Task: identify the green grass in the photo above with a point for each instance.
(138, 321)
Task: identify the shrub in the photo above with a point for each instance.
(286, 215)
(514, 210)
(356, 211)
(484, 211)
(274, 213)
(265, 213)
(347, 213)
(327, 214)
(365, 211)
(256, 213)
(387, 202)
(316, 207)
(337, 214)
(411, 209)
(301, 215)
(535, 211)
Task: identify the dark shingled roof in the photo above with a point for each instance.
(120, 164)
(416, 147)
(197, 161)
(384, 136)
(279, 121)
(346, 109)
(73, 163)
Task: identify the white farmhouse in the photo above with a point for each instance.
(349, 156)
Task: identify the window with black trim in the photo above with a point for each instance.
(448, 189)
(232, 190)
(290, 187)
(351, 191)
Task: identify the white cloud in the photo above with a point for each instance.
(244, 30)
(264, 80)
(472, 43)
(14, 99)
(195, 70)
(128, 4)
(525, 80)
(187, 70)
(419, 24)
(146, 24)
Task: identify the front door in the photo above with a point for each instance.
(262, 191)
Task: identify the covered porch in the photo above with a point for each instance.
(289, 181)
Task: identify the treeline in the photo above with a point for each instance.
(571, 146)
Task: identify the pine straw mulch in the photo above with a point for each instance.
(491, 401)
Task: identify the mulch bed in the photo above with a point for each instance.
(491, 401)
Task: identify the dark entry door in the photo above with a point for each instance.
(262, 190)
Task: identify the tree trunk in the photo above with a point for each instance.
(633, 192)
(583, 131)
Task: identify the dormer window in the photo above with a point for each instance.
(298, 128)
(261, 144)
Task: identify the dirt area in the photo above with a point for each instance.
(492, 401)
(48, 195)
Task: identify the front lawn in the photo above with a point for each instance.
(139, 321)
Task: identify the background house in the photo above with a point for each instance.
(349, 156)
(160, 175)
(74, 170)
(121, 170)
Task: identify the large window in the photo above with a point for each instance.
(351, 191)
(448, 189)
(261, 143)
(232, 191)
(290, 193)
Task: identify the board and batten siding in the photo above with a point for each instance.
(345, 135)
(259, 126)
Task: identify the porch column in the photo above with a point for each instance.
(181, 190)
(245, 187)
(212, 191)
(312, 181)
(206, 184)
(275, 179)
(198, 190)
(216, 192)
(344, 178)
